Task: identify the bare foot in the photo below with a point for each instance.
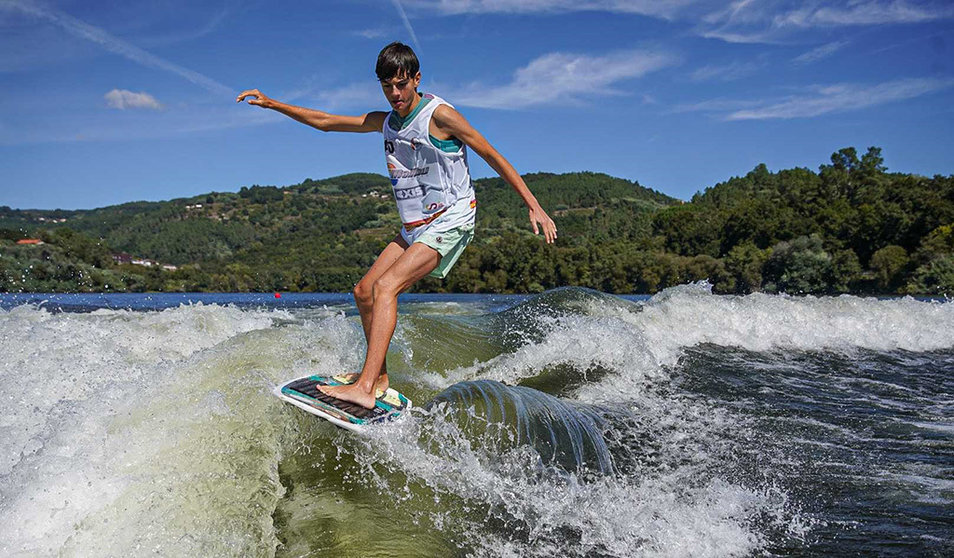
(380, 386)
(350, 393)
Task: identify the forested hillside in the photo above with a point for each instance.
(316, 235)
(850, 227)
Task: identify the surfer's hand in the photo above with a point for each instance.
(255, 97)
(539, 216)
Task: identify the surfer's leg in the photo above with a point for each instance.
(416, 262)
(364, 295)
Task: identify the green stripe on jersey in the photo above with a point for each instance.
(452, 145)
(397, 123)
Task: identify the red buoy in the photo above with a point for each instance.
(278, 295)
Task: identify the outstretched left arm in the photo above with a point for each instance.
(451, 123)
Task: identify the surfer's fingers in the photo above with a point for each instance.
(546, 224)
(249, 93)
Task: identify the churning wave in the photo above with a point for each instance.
(572, 422)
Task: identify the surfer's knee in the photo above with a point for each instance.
(363, 293)
(385, 286)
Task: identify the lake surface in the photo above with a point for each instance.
(570, 423)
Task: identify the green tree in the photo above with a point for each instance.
(744, 263)
(845, 271)
(888, 263)
(801, 266)
(934, 277)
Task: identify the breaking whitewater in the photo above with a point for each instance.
(570, 423)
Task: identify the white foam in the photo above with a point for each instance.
(667, 513)
(99, 419)
(642, 341)
(690, 315)
(188, 467)
(640, 344)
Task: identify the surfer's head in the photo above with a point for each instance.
(397, 60)
(400, 73)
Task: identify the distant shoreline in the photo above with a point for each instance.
(852, 227)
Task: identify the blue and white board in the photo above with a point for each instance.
(304, 394)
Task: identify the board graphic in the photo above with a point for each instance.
(304, 394)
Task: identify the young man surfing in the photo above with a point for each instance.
(425, 145)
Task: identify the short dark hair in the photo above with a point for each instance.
(397, 59)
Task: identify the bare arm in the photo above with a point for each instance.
(326, 122)
(451, 123)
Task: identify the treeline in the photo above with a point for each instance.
(850, 227)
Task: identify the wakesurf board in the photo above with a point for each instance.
(304, 394)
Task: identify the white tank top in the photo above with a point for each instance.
(428, 182)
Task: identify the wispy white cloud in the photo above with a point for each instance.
(407, 23)
(656, 8)
(873, 12)
(111, 43)
(561, 77)
(726, 72)
(740, 37)
(363, 96)
(123, 99)
(735, 10)
(204, 25)
(738, 21)
(820, 52)
(720, 105)
(372, 33)
(742, 21)
(552, 78)
(748, 21)
(841, 98)
(134, 125)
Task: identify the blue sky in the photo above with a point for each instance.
(107, 102)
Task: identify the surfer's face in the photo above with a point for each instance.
(401, 92)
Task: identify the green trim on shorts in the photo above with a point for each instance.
(449, 244)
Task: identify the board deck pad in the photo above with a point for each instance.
(304, 394)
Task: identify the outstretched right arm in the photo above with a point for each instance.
(326, 122)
